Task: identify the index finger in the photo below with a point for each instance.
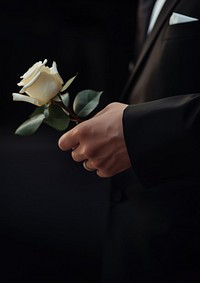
(68, 140)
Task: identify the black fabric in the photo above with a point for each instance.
(153, 230)
(167, 147)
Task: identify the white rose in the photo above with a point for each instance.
(40, 84)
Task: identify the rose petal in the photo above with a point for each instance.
(36, 66)
(29, 83)
(54, 71)
(45, 88)
(21, 97)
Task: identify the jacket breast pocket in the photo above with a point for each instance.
(182, 31)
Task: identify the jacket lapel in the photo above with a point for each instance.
(167, 8)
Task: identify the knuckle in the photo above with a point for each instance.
(75, 156)
(80, 153)
(98, 163)
(106, 169)
(84, 152)
(103, 174)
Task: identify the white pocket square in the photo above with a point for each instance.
(180, 19)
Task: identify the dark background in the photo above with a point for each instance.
(52, 212)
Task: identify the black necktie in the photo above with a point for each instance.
(145, 8)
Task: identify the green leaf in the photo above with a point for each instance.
(38, 110)
(57, 98)
(57, 118)
(41, 110)
(86, 101)
(68, 83)
(30, 126)
(65, 98)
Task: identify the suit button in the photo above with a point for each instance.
(117, 196)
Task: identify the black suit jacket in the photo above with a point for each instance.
(169, 61)
(154, 224)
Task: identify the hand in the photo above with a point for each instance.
(100, 142)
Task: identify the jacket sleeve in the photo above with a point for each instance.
(163, 138)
